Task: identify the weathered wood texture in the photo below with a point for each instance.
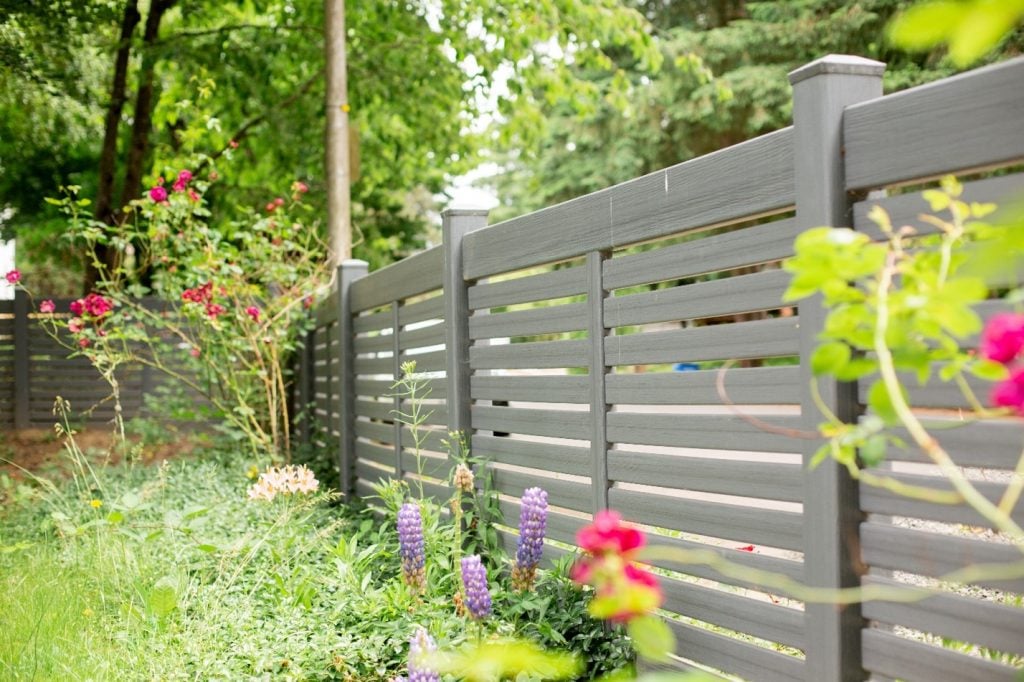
(974, 120)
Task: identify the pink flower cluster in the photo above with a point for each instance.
(158, 194)
(93, 307)
(624, 590)
(286, 480)
(203, 295)
(1003, 342)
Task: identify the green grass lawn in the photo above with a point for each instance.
(169, 572)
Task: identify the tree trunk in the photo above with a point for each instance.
(143, 114)
(108, 155)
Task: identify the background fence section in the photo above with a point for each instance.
(578, 348)
(35, 368)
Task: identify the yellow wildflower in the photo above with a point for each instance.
(95, 504)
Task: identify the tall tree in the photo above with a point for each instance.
(418, 73)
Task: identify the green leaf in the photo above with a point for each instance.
(652, 637)
(988, 370)
(210, 549)
(981, 29)
(881, 403)
(163, 598)
(829, 358)
(925, 25)
(115, 517)
(937, 200)
(872, 451)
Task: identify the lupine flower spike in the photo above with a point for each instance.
(410, 540)
(420, 646)
(533, 517)
(474, 580)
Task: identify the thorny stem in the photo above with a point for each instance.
(931, 447)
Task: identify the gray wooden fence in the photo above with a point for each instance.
(35, 369)
(576, 392)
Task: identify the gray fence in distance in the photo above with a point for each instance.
(552, 341)
(35, 369)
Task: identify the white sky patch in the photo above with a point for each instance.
(6, 265)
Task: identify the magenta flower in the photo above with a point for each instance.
(253, 312)
(13, 277)
(474, 580)
(1010, 392)
(77, 307)
(158, 194)
(75, 325)
(96, 305)
(214, 309)
(47, 306)
(1003, 337)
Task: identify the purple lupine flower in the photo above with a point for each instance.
(410, 540)
(533, 518)
(420, 646)
(474, 579)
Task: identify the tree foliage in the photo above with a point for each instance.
(419, 72)
(723, 81)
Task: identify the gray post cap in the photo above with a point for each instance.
(464, 211)
(838, 63)
(354, 263)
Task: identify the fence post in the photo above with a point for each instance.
(304, 383)
(22, 407)
(456, 224)
(348, 272)
(598, 401)
(821, 92)
(396, 372)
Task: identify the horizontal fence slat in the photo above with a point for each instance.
(430, 361)
(905, 209)
(533, 422)
(563, 459)
(381, 454)
(966, 619)
(748, 524)
(735, 656)
(428, 309)
(903, 659)
(374, 365)
(552, 320)
(875, 500)
(423, 336)
(743, 386)
(1001, 438)
(729, 296)
(375, 409)
(703, 254)
(439, 492)
(547, 389)
(936, 393)
(975, 115)
(935, 555)
(561, 493)
(773, 481)
(384, 433)
(372, 474)
(533, 355)
(372, 322)
(744, 181)
(742, 614)
(375, 387)
(414, 275)
(434, 467)
(368, 344)
(744, 559)
(759, 339)
(559, 283)
(720, 432)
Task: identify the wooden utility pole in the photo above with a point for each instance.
(336, 153)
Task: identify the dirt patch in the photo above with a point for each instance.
(43, 450)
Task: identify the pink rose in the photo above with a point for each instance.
(1010, 392)
(13, 277)
(158, 194)
(192, 195)
(253, 312)
(75, 325)
(77, 307)
(84, 343)
(47, 306)
(1003, 337)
